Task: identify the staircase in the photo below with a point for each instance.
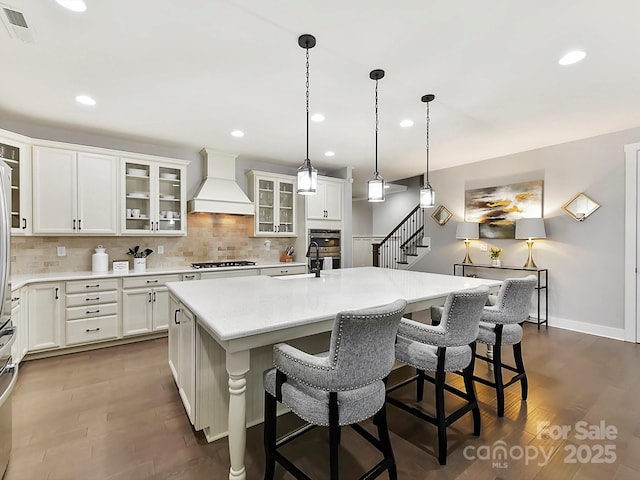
(405, 245)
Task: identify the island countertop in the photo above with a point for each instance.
(234, 308)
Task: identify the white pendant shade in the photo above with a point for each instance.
(427, 197)
(376, 188)
(307, 179)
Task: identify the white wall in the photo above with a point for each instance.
(585, 259)
(387, 215)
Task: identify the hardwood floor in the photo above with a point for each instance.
(115, 414)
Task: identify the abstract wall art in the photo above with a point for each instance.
(497, 208)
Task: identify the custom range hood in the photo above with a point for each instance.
(219, 192)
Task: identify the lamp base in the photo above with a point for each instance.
(467, 258)
(530, 263)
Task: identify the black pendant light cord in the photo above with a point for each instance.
(427, 99)
(376, 127)
(428, 119)
(307, 95)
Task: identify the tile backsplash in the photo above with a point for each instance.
(214, 237)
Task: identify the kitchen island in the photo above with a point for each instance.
(224, 330)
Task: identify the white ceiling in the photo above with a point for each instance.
(187, 73)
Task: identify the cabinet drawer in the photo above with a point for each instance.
(97, 285)
(277, 271)
(92, 330)
(91, 298)
(229, 273)
(90, 311)
(150, 281)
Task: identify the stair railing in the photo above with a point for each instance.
(402, 239)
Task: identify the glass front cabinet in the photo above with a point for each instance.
(274, 197)
(154, 198)
(15, 151)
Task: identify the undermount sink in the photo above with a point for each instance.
(294, 277)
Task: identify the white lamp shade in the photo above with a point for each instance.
(468, 230)
(530, 228)
(307, 178)
(427, 197)
(376, 188)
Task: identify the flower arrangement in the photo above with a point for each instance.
(135, 252)
(494, 253)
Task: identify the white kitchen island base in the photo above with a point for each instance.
(237, 321)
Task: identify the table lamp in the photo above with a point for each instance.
(530, 228)
(467, 231)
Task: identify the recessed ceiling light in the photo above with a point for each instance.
(317, 117)
(387, 186)
(329, 154)
(572, 57)
(406, 123)
(85, 100)
(73, 5)
(237, 133)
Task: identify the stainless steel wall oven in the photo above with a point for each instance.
(328, 246)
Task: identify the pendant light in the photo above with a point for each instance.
(427, 195)
(376, 183)
(307, 174)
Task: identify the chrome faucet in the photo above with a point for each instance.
(317, 269)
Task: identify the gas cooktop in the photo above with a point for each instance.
(227, 263)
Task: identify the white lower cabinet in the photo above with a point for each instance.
(145, 304)
(92, 310)
(19, 306)
(182, 341)
(46, 311)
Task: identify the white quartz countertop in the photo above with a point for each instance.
(20, 280)
(234, 308)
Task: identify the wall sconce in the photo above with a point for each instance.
(580, 207)
(441, 215)
(530, 228)
(467, 231)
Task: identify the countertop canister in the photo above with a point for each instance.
(100, 260)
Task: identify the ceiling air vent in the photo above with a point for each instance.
(16, 24)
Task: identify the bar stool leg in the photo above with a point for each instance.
(270, 418)
(517, 355)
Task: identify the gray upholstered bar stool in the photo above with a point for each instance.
(447, 347)
(343, 387)
(499, 326)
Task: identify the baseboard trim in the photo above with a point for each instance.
(588, 328)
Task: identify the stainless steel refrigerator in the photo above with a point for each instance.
(8, 371)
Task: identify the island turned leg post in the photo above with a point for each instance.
(237, 367)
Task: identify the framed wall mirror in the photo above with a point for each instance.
(441, 215)
(580, 207)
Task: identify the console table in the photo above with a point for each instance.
(543, 281)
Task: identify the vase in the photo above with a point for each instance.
(139, 265)
(495, 262)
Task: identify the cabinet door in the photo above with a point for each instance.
(54, 191)
(266, 211)
(286, 208)
(174, 338)
(17, 155)
(137, 311)
(316, 203)
(160, 302)
(45, 315)
(97, 193)
(333, 200)
(137, 191)
(187, 386)
(170, 207)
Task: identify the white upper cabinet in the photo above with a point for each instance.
(326, 204)
(154, 197)
(74, 193)
(275, 199)
(16, 153)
